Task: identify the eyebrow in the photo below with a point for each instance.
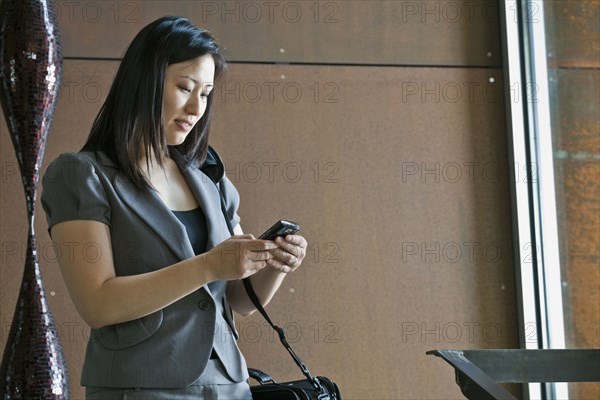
(196, 81)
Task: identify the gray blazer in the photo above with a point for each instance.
(171, 347)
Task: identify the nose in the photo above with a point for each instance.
(196, 105)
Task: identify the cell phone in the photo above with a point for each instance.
(281, 228)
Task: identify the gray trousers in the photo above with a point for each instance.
(212, 385)
(234, 391)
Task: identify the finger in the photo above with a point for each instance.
(260, 256)
(292, 240)
(278, 265)
(291, 248)
(262, 245)
(297, 240)
(286, 257)
(279, 253)
(244, 236)
(255, 267)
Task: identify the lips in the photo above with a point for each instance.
(184, 125)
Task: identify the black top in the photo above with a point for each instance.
(195, 225)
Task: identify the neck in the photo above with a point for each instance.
(150, 164)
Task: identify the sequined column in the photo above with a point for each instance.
(33, 366)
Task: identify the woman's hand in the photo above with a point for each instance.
(286, 254)
(239, 257)
(289, 253)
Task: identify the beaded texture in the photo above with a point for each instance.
(33, 365)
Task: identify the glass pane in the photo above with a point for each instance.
(572, 34)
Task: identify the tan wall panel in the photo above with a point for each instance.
(462, 32)
(388, 282)
(384, 280)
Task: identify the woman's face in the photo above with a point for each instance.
(187, 85)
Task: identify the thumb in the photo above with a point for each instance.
(244, 236)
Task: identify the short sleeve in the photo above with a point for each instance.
(71, 190)
(232, 200)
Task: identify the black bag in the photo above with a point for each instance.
(311, 388)
(295, 390)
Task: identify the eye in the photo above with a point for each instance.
(185, 89)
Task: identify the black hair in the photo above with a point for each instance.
(130, 122)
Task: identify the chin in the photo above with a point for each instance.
(177, 140)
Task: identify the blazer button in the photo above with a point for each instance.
(204, 305)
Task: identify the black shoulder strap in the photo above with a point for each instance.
(213, 165)
(252, 295)
(299, 362)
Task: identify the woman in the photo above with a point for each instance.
(149, 196)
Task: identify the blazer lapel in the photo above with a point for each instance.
(154, 212)
(208, 198)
